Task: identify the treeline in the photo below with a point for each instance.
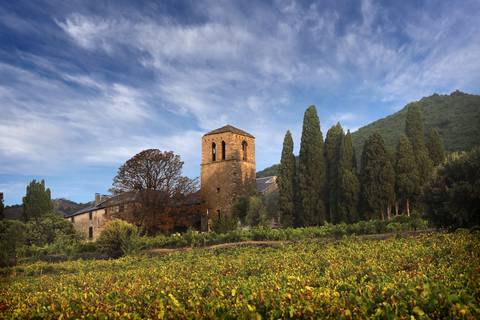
(325, 184)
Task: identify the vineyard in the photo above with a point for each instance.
(434, 275)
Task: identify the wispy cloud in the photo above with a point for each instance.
(87, 87)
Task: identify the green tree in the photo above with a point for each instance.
(349, 186)
(1, 206)
(407, 184)
(415, 133)
(435, 147)
(37, 201)
(240, 208)
(452, 196)
(332, 155)
(312, 173)
(257, 213)
(12, 237)
(377, 179)
(48, 228)
(286, 183)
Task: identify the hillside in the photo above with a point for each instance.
(456, 116)
(61, 206)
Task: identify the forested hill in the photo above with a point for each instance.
(456, 116)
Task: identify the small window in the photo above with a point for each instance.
(121, 208)
(90, 232)
(223, 150)
(218, 190)
(90, 215)
(214, 151)
(72, 219)
(244, 150)
(218, 214)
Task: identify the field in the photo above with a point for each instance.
(434, 275)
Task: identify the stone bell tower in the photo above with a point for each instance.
(228, 168)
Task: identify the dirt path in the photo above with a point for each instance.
(279, 243)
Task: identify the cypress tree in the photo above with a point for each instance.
(349, 186)
(332, 155)
(435, 147)
(415, 133)
(377, 179)
(407, 184)
(312, 175)
(37, 201)
(286, 182)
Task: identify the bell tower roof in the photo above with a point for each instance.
(229, 128)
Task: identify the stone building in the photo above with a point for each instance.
(90, 222)
(227, 168)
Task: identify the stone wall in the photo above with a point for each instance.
(82, 223)
(228, 177)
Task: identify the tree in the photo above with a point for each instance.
(415, 133)
(435, 147)
(312, 175)
(377, 179)
(257, 213)
(12, 237)
(152, 169)
(156, 178)
(452, 196)
(37, 201)
(48, 228)
(349, 186)
(407, 184)
(332, 155)
(286, 183)
(1, 206)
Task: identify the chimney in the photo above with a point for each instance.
(97, 198)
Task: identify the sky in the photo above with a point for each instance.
(85, 85)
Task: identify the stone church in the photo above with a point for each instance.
(227, 168)
(227, 172)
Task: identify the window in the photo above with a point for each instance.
(121, 208)
(90, 214)
(218, 214)
(218, 190)
(72, 219)
(90, 232)
(223, 150)
(214, 151)
(244, 150)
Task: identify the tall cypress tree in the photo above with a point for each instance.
(37, 201)
(349, 186)
(286, 183)
(377, 179)
(415, 133)
(332, 155)
(407, 184)
(435, 147)
(312, 175)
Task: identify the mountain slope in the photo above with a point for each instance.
(456, 116)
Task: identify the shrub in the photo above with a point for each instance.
(46, 229)
(119, 238)
(12, 237)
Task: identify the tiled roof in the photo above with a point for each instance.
(229, 128)
(264, 183)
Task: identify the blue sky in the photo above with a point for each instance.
(85, 85)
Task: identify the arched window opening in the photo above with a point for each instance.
(244, 150)
(214, 151)
(223, 150)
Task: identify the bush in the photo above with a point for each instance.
(46, 229)
(12, 237)
(119, 238)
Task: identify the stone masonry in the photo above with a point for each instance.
(227, 169)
